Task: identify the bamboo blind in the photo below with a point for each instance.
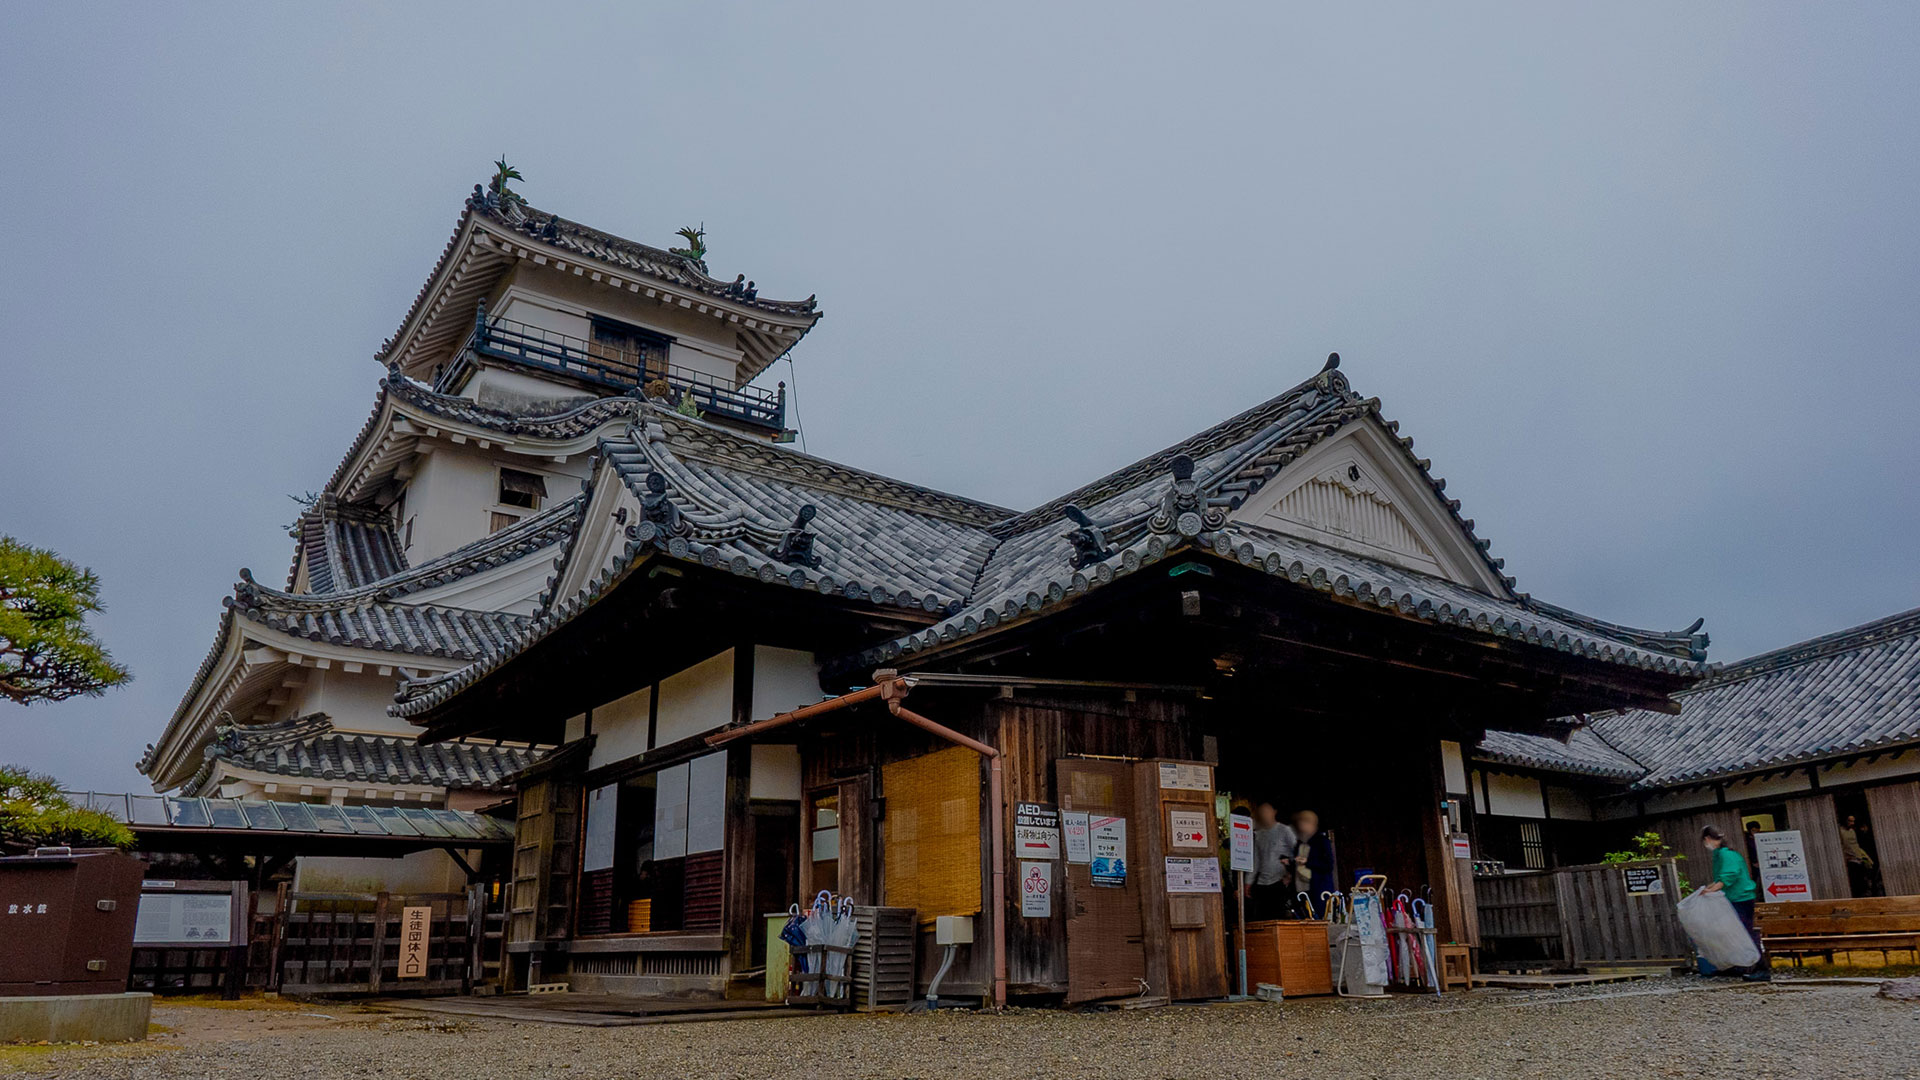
(932, 835)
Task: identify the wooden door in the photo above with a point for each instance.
(1106, 943)
(840, 815)
(1893, 812)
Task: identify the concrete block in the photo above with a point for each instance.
(75, 1018)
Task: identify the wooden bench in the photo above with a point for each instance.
(1828, 926)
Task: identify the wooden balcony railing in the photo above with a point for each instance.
(616, 368)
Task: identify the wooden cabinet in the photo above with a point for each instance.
(1290, 954)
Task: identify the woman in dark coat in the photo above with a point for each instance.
(1313, 858)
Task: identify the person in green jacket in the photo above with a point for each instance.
(1731, 876)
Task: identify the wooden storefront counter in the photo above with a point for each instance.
(1291, 954)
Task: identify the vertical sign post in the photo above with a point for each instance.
(414, 928)
(1240, 858)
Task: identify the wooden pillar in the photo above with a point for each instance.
(1436, 840)
(737, 915)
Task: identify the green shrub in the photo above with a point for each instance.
(33, 813)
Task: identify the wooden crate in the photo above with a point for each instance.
(883, 958)
(1291, 954)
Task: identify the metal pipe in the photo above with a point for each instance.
(721, 738)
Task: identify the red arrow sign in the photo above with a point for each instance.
(1776, 889)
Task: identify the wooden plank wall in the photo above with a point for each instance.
(1519, 916)
(1813, 815)
(1682, 834)
(1033, 733)
(1895, 813)
(1607, 927)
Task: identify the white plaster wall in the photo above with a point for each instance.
(1895, 766)
(576, 728)
(1667, 802)
(619, 728)
(1566, 804)
(561, 301)
(783, 680)
(420, 872)
(694, 701)
(1453, 767)
(355, 702)
(1793, 783)
(775, 773)
(456, 489)
(1514, 796)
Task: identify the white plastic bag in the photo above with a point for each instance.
(1716, 930)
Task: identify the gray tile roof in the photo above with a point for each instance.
(1855, 690)
(728, 502)
(308, 747)
(357, 621)
(1843, 693)
(1583, 752)
(344, 546)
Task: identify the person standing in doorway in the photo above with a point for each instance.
(1312, 856)
(1860, 869)
(1732, 877)
(1273, 844)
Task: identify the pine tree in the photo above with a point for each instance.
(47, 651)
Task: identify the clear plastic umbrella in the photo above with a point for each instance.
(843, 932)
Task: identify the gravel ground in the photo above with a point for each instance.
(1666, 1028)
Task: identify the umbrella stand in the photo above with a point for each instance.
(819, 975)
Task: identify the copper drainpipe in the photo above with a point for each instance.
(889, 685)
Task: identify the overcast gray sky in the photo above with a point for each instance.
(1641, 281)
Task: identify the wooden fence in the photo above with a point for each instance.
(350, 943)
(1582, 917)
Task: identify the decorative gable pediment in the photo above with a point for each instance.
(1358, 492)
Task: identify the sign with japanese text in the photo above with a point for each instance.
(1179, 776)
(1783, 866)
(1188, 829)
(415, 924)
(1185, 875)
(1643, 880)
(1036, 890)
(1240, 841)
(1079, 844)
(184, 919)
(1109, 836)
(1036, 831)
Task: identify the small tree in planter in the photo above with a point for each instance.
(1649, 845)
(33, 813)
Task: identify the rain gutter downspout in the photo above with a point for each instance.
(892, 687)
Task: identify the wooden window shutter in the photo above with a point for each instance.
(932, 833)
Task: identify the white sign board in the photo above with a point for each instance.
(184, 918)
(1185, 875)
(1109, 850)
(596, 853)
(1783, 866)
(1036, 831)
(1079, 845)
(1036, 890)
(1240, 841)
(1188, 828)
(1182, 777)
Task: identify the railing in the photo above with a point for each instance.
(610, 366)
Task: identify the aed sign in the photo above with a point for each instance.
(1036, 831)
(1783, 866)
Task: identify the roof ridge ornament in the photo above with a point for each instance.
(796, 547)
(1184, 509)
(696, 250)
(1089, 540)
(499, 196)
